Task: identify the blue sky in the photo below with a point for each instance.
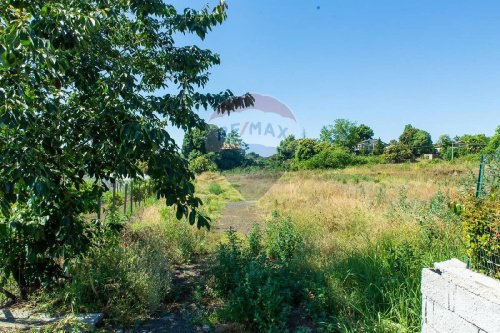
(434, 64)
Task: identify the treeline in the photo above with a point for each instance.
(340, 144)
(346, 143)
(213, 149)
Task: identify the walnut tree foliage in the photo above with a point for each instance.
(82, 96)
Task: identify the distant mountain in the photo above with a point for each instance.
(262, 150)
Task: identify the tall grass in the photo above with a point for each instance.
(127, 275)
(369, 231)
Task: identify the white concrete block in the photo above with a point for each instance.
(436, 288)
(445, 321)
(456, 272)
(428, 329)
(424, 310)
(482, 312)
(430, 312)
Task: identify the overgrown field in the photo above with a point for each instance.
(335, 251)
(338, 250)
(369, 231)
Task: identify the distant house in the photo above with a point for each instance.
(366, 146)
(429, 156)
(231, 146)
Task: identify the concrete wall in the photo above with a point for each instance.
(456, 300)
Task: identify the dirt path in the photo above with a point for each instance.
(238, 215)
(185, 279)
(242, 215)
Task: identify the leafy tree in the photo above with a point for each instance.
(474, 144)
(78, 89)
(419, 141)
(306, 148)
(234, 139)
(345, 133)
(398, 153)
(200, 141)
(363, 132)
(202, 164)
(444, 141)
(232, 155)
(286, 148)
(379, 147)
(342, 133)
(230, 158)
(494, 142)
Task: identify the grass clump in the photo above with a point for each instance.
(260, 290)
(127, 277)
(215, 188)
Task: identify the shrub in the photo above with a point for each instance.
(282, 239)
(230, 158)
(202, 164)
(286, 148)
(398, 153)
(126, 277)
(260, 291)
(215, 188)
(482, 233)
(181, 240)
(107, 198)
(305, 149)
(329, 158)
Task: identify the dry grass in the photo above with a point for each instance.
(345, 209)
(253, 185)
(365, 224)
(213, 204)
(186, 240)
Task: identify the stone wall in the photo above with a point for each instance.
(456, 300)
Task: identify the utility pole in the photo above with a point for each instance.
(452, 150)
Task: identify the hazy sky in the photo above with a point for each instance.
(434, 64)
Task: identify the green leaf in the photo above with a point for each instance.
(3, 229)
(180, 212)
(192, 217)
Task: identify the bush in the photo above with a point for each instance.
(398, 153)
(215, 188)
(126, 277)
(305, 149)
(260, 290)
(330, 158)
(282, 239)
(482, 233)
(107, 198)
(286, 148)
(181, 240)
(202, 164)
(231, 158)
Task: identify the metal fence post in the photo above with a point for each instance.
(131, 196)
(99, 207)
(125, 201)
(114, 195)
(480, 178)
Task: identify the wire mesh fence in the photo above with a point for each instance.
(485, 250)
(487, 263)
